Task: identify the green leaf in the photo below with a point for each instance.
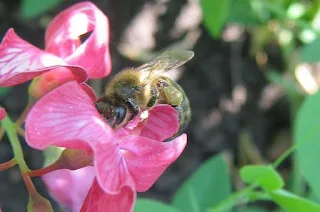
(307, 137)
(241, 12)
(146, 205)
(33, 8)
(264, 176)
(215, 14)
(207, 187)
(293, 203)
(310, 52)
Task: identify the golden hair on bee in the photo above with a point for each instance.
(135, 90)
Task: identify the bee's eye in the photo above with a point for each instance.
(120, 114)
(114, 115)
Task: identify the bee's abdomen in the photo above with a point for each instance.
(184, 114)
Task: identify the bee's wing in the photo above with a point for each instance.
(166, 61)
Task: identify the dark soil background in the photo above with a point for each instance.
(234, 109)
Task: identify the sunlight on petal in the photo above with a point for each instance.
(79, 29)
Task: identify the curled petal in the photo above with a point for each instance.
(65, 117)
(63, 38)
(162, 123)
(147, 159)
(2, 113)
(70, 188)
(20, 61)
(89, 91)
(99, 201)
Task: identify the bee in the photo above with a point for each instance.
(135, 90)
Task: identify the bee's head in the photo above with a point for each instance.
(114, 115)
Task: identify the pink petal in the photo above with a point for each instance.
(20, 61)
(63, 38)
(70, 188)
(139, 163)
(99, 201)
(112, 172)
(49, 81)
(162, 123)
(65, 117)
(2, 113)
(89, 91)
(147, 159)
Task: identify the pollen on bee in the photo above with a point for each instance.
(144, 115)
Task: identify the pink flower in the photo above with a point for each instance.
(65, 58)
(2, 113)
(125, 161)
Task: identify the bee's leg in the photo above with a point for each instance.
(135, 108)
(154, 96)
(172, 94)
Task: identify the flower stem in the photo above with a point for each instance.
(45, 170)
(10, 128)
(27, 180)
(284, 156)
(240, 196)
(8, 164)
(24, 114)
(1, 133)
(20, 131)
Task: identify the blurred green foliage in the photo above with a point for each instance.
(295, 26)
(34, 8)
(200, 190)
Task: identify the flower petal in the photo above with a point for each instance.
(138, 164)
(147, 159)
(65, 117)
(162, 123)
(20, 61)
(112, 172)
(70, 188)
(89, 91)
(99, 201)
(63, 38)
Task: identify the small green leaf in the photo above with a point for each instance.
(310, 52)
(215, 14)
(265, 176)
(207, 187)
(33, 8)
(307, 137)
(147, 205)
(293, 203)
